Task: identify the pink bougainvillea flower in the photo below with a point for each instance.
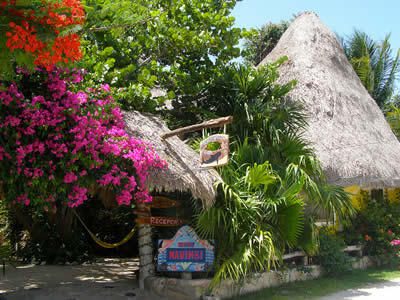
(106, 87)
(68, 142)
(70, 177)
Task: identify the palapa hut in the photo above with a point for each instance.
(347, 129)
(182, 174)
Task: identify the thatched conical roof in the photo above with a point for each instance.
(183, 172)
(347, 129)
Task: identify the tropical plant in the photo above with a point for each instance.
(260, 42)
(377, 224)
(374, 63)
(174, 47)
(272, 174)
(40, 33)
(55, 143)
(58, 145)
(392, 113)
(270, 126)
(256, 216)
(330, 253)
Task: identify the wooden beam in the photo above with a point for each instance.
(207, 124)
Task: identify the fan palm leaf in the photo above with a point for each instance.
(256, 216)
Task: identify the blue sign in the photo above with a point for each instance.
(185, 253)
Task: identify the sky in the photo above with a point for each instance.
(375, 17)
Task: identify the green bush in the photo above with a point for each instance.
(5, 247)
(330, 253)
(54, 250)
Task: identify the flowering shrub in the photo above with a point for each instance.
(57, 145)
(55, 16)
(377, 225)
(395, 242)
(396, 245)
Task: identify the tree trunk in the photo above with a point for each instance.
(145, 253)
(63, 221)
(27, 223)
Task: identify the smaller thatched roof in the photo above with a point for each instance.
(346, 127)
(183, 172)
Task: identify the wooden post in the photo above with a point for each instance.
(145, 253)
(186, 275)
(207, 124)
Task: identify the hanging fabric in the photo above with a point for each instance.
(105, 244)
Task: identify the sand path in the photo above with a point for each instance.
(385, 290)
(105, 279)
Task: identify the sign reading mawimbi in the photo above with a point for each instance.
(218, 157)
(185, 252)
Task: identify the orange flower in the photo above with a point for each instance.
(368, 238)
(381, 230)
(58, 15)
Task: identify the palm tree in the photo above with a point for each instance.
(393, 115)
(374, 64)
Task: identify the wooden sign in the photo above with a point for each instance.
(161, 221)
(162, 202)
(185, 253)
(218, 157)
(142, 211)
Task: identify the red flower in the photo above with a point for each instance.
(59, 15)
(389, 232)
(368, 238)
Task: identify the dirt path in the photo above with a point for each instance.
(106, 279)
(386, 290)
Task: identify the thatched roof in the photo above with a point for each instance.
(183, 172)
(346, 127)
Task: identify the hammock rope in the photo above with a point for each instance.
(105, 244)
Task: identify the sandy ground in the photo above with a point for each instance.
(116, 279)
(387, 290)
(106, 279)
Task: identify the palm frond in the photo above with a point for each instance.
(291, 222)
(374, 64)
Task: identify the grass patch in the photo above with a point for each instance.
(323, 286)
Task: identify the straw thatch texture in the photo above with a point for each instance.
(183, 172)
(346, 127)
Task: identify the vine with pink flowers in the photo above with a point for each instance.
(58, 144)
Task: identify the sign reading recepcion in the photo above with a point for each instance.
(185, 252)
(161, 221)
